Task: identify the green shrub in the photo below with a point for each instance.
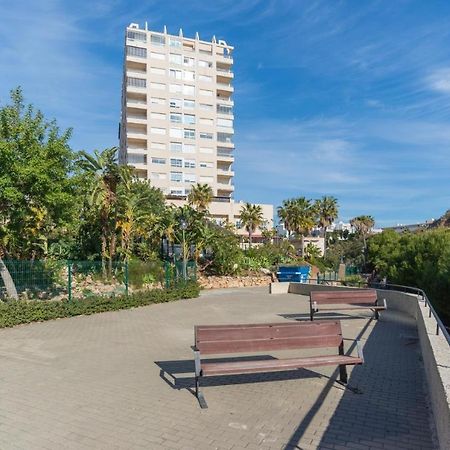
(17, 312)
(354, 280)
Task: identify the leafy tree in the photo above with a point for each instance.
(363, 225)
(200, 196)
(251, 217)
(37, 200)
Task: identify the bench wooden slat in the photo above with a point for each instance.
(272, 365)
(360, 296)
(265, 337)
(351, 307)
(262, 345)
(269, 331)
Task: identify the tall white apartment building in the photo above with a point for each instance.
(177, 116)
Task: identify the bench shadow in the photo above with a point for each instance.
(392, 404)
(324, 315)
(179, 374)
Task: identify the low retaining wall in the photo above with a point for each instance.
(435, 349)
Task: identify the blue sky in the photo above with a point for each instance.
(343, 98)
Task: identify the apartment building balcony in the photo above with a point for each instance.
(225, 100)
(224, 90)
(136, 116)
(134, 103)
(136, 89)
(224, 72)
(224, 59)
(225, 139)
(137, 132)
(225, 173)
(225, 154)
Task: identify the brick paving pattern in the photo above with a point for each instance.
(100, 382)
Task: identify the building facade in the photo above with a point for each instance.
(177, 115)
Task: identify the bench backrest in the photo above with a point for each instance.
(215, 339)
(354, 296)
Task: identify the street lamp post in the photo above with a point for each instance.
(183, 226)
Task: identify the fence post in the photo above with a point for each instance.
(126, 278)
(69, 280)
(166, 273)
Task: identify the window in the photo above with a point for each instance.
(206, 92)
(206, 150)
(157, 39)
(178, 192)
(188, 90)
(176, 147)
(238, 224)
(136, 51)
(190, 178)
(189, 163)
(159, 160)
(176, 59)
(204, 64)
(136, 82)
(176, 162)
(157, 71)
(206, 121)
(225, 137)
(225, 123)
(157, 101)
(206, 106)
(189, 119)
(176, 176)
(134, 158)
(175, 88)
(158, 116)
(175, 118)
(177, 74)
(175, 103)
(136, 36)
(188, 75)
(158, 176)
(174, 43)
(156, 130)
(189, 134)
(189, 104)
(158, 86)
(156, 55)
(188, 148)
(206, 135)
(205, 78)
(188, 61)
(222, 109)
(206, 165)
(176, 132)
(158, 146)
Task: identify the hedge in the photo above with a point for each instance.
(16, 312)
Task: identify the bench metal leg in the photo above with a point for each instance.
(199, 394)
(342, 368)
(376, 314)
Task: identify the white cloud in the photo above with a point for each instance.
(439, 80)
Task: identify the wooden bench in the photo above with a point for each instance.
(341, 300)
(220, 339)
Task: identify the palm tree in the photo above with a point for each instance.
(105, 173)
(363, 225)
(200, 196)
(251, 217)
(326, 209)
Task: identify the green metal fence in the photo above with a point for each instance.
(50, 279)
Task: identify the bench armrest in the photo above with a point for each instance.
(197, 361)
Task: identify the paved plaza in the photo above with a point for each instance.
(123, 380)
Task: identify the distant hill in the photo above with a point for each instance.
(442, 222)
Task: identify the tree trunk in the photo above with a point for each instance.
(11, 290)
(249, 239)
(324, 241)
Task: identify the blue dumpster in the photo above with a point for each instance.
(297, 274)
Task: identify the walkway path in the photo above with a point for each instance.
(94, 383)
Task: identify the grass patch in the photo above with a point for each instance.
(17, 312)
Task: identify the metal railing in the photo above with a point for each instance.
(440, 326)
